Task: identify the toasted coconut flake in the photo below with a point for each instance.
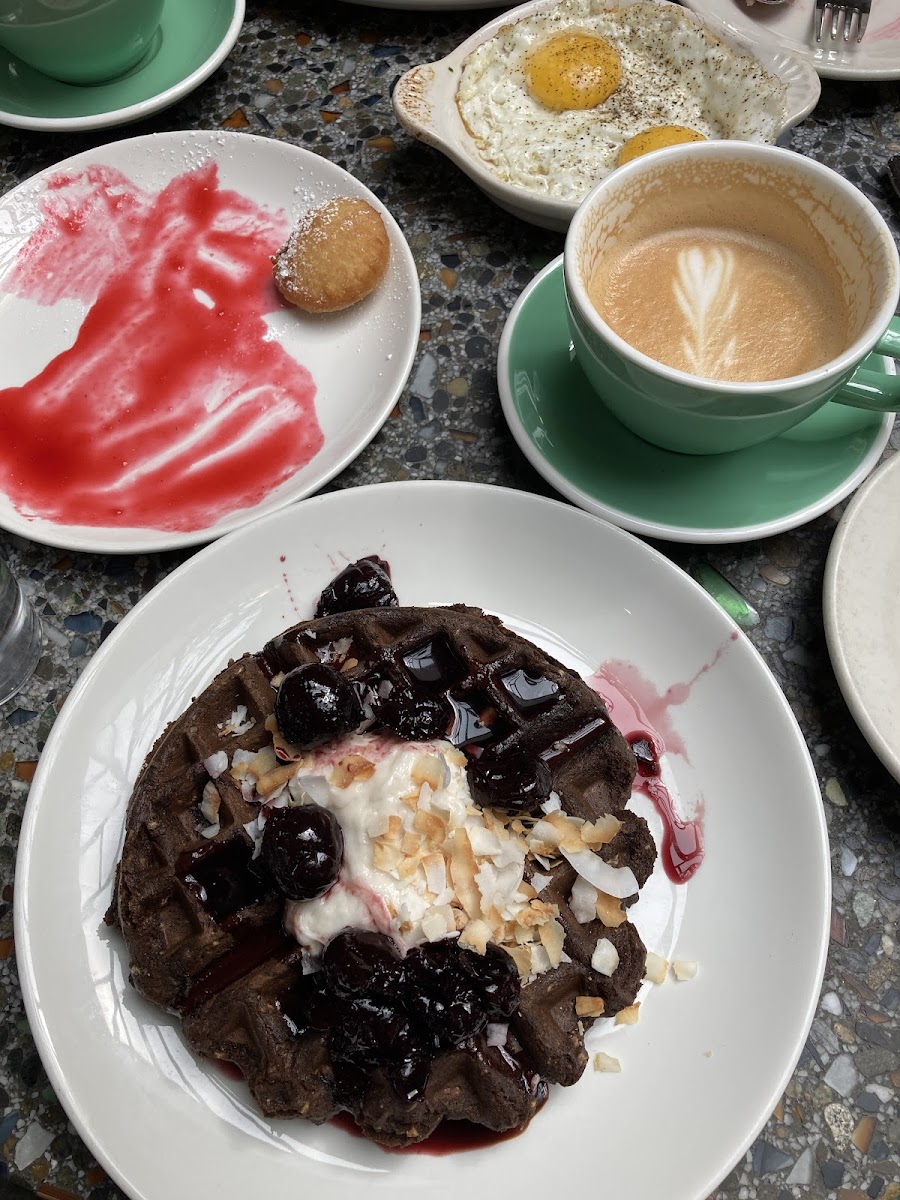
(552, 803)
(430, 769)
(309, 789)
(521, 956)
(568, 830)
(210, 831)
(606, 1064)
(539, 881)
(432, 828)
(462, 871)
(210, 801)
(602, 831)
(657, 968)
(395, 828)
(411, 799)
(237, 723)
(684, 969)
(583, 901)
(376, 824)
(589, 1006)
(540, 959)
(348, 664)
(216, 764)
(350, 768)
(276, 779)
(437, 923)
(610, 911)
(385, 857)
(628, 1016)
(617, 881)
(476, 936)
(605, 958)
(552, 938)
(496, 1034)
(435, 873)
(410, 844)
(407, 867)
(484, 842)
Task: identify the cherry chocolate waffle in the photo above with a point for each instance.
(384, 866)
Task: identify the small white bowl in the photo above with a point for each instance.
(425, 105)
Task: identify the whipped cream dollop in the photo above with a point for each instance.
(421, 861)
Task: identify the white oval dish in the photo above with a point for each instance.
(860, 608)
(425, 105)
(708, 1060)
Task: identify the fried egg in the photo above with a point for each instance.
(551, 100)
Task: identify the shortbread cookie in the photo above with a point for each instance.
(337, 255)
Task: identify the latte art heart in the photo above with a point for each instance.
(721, 303)
(705, 288)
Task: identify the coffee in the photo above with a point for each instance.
(745, 292)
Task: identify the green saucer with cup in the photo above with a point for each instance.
(191, 40)
(580, 448)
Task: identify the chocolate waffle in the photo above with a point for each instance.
(203, 917)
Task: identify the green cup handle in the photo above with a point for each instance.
(870, 389)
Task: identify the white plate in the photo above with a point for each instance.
(359, 358)
(790, 27)
(708, 1060)
(424, 102)
(862, 621)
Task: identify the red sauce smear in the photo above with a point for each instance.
(643, 716)
(450, 1137)
(172, 408)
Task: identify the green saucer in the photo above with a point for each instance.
(194, 37)
(586, 454)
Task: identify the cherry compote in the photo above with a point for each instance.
(316, 704)
(364, 584)
(303, 848)
(400, 1013)
(518, 782)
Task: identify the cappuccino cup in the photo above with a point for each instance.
(718, 293)
(80, 41)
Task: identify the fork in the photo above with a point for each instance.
(842, 17)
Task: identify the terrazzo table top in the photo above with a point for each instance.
(319, 75)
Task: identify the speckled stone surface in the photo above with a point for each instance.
(320, 75)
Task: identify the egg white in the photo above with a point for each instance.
(675, 71)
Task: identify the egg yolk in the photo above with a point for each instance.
(657, 139)
(573, 70)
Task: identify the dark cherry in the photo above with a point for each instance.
(357, 961)
(364, 584)
(379, 1030)
(303, 847)
(518, 782)
(412, 714)
(500, 984)
(307, 1004)
(315, 704)
(647, 762)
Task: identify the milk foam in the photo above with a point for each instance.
(721, 303)
(707, 296)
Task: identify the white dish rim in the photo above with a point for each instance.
(851, 690)
(424, 102)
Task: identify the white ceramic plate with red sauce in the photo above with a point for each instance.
(707, 1061)
(155, 391)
